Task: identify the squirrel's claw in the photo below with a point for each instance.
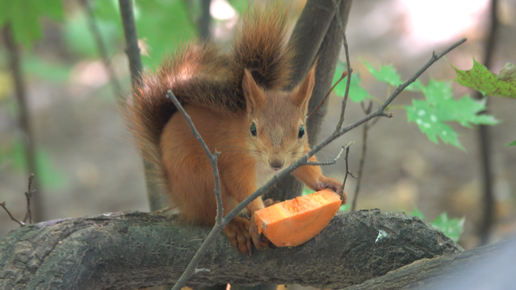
(332, 184)
(259, 240)
(238, 235)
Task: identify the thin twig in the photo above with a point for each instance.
(348, 64)
(329, 162)
(212, 157)
(365, 129)
(24, 115)
(2, 204)
(190, 270)
(220, 223)
(28, 196)
(347, 170)
(344, 74)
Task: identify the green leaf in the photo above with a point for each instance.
(306, 190)
(339, 89)
(481, 79)
(80, 40)
(425, 116)
(163, 25)
(239, 5)
(356, 92)
(47, 174)
(24, 17)
(440, 107)
(452, 228)
(43, 69)
(389, 75)
(386, 74)
(106, 10)
(345, 208)
(513, 143)
(418, 214)
(16, 155)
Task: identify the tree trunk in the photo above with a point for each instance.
(317, 34)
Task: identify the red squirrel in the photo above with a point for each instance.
(237, 104)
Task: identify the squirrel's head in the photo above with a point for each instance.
(277, 121)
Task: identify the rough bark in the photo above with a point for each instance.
(134, 250)
(488, 267)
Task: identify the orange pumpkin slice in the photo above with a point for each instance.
(295, 221)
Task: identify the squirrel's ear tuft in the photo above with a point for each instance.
(254, 96)
(301, 95)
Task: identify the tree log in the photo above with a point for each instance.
(489, 267)
(134, 250)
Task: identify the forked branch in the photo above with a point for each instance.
(28, 195)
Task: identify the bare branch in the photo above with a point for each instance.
(348, 65)
(219, 222)
(24, 114)
(329, 162)
(365, 129)
(2, 204)
(212, 157)
(347, 170)
(344, 74)
(28, 196)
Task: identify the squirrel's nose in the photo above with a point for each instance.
(276, 164)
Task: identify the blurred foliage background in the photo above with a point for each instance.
(86, 163)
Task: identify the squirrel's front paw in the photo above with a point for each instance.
(238, 234)
(332, 184)
(259, 240)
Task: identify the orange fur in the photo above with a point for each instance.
(227, 95)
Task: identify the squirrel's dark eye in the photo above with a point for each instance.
(253, 129)
(301, 132)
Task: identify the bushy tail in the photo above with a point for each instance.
(192, 73)
(201, 74)
(260, 45)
